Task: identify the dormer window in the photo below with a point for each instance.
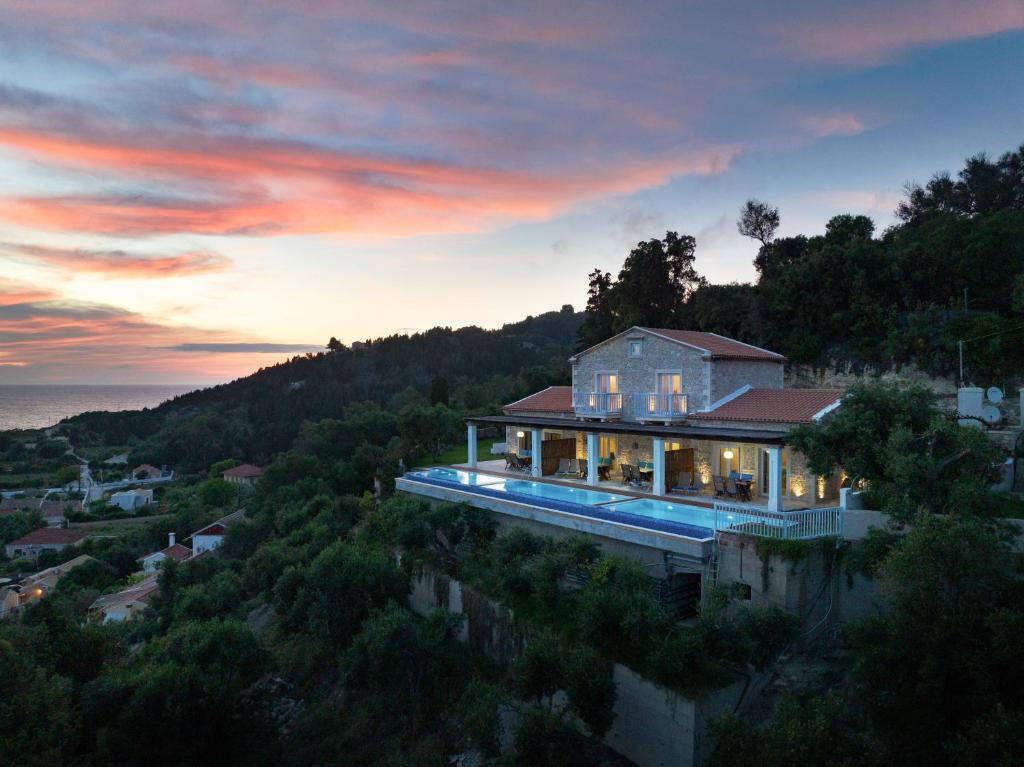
(636, 348)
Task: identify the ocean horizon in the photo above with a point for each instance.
(37, 406)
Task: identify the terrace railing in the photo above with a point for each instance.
(597, 404)
(653, 405)
(804, 524)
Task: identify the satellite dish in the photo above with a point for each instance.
(990, 414)
(994, 394)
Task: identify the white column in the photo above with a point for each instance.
(659, 466)
(775, 478)
(471, 446)
(592, 457)
(536, 439)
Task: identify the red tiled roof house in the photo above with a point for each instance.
(43, 539)
(246, 474)
(666, 401)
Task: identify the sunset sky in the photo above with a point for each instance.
(192, 189)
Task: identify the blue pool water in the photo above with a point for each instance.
(693, 515)
(689, 521)
(560, 493)
(470, 478)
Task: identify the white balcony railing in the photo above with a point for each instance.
(659, 405)
(804, 524)
(598, 404)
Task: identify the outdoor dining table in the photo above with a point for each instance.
(744, 486)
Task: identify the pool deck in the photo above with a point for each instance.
(707, 499)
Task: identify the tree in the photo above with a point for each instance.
(67, 474)
(655, 281)
(439, 391)
(938, 669)
(36, 726)
(334, 345)
(759, 221)
(599, 316)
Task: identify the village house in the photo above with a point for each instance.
(131, 500)
(152, 562)
(246, 474)
(211, 536)
(44, 539)
(127, 603)
(146, 471)
(35, 587)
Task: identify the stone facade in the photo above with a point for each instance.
(704, 380)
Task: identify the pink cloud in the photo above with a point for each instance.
(869, 32)
(262, 186)
(822, 126)
(118, 263)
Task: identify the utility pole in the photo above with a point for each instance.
(960, 346)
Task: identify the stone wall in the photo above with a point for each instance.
(637, 374)
(729, 375)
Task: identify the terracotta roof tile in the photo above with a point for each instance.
(245, 471)
(774, 406)
(554, 399)
(719, 347)
(50, 535)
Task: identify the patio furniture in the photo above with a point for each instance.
(604, 471)
(720, 487)
(567, 467)
(742, 487)
(733, 489)
(582, 473)
(628, 473)
(685, 484)
(645, 470)
(519, 463)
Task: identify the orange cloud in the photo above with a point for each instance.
(118, 263)
(260, 186)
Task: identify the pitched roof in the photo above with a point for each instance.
(245, 471)
(49, 535)
(148, 468)
(218, 527)
(718, 347)
(774, 406)
(138, 592)
(554, 399)
(177, 552)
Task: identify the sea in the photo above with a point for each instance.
(39, 406)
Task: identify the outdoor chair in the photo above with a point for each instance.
(564, 468)
(582, 473)
(719, 483)
(685, 483)
(732, 490)
(628, 474)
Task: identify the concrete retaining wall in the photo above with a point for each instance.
(653, 726)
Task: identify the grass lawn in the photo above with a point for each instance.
(460, 454)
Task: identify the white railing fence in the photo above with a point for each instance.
(786, 525)
(597, 403)
(659, 405)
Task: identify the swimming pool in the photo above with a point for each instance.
(644, 507)
(689, 521)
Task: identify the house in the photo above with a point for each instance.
(246, 474)
(44, 539)
(211, 536)
(130, 500)
(127, 603)
(146, 471)
(35, 587)
(54, 512)
(13, 505)
(664, 440)
(152, 562)
(121, 459)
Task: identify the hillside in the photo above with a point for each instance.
(261, 414)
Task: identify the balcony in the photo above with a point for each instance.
(597, 405)
(659, 407)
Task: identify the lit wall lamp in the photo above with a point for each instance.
(728, 455)
(520, 434)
